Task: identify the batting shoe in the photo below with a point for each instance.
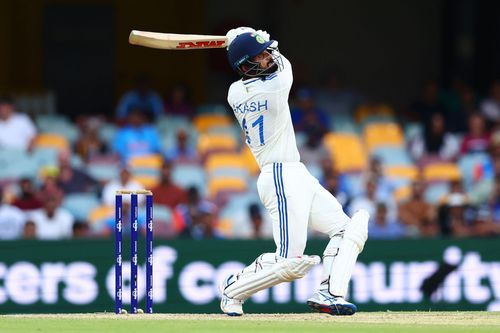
(323, 301)
(230, 306)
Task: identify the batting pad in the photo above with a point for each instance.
(283, 270)
(355, 236)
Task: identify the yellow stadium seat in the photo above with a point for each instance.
(205, 121)
(404, 171)
(347, 151)
(49, 140)
(147, 181)
(383, 134)
(224, 160)
(402, 194)
(101, 213)
(216, 142)
(442, 172)
(154, 161)
(223, 184)
(367, 110)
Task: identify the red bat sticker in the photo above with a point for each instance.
(200, 44)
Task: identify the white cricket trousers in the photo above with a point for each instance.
(295, 199)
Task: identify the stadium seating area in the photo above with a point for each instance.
(212, 165)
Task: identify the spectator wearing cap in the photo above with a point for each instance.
(141, 97)
(137, 138)
(381, 228)
(17, 131)
(455, 214)
(12, 220)
(167, 192)
(52, 222)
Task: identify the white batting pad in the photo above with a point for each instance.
(355, 236)
(267, 271)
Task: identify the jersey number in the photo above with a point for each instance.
(259, 122)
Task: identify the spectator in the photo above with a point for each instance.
(72, 180)
(381, 228)
(477, 139)
(457, 121)
(314, 151)
(369, 201)
(332, 183)
(29, 230)
(436, 143)
(80, 230)
(428, 104)
(183, 153)
(29, 198)
(307, 117)
(143, 98)
(256, 220)
(89, 144)
(12, 220)
(50, 186)
(52, 222)
(495, 201)
(107, 228)
(418, 215)
(137, 138)
(490, 107)
(178, 102)
(385, 186)
(197, 217)
(455, 212)
(17, 131)
(335, 99)
(124, 182)
(167, 193)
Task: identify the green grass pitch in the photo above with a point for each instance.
(373, 322)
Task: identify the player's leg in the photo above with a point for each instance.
(288, 202)
(347, 238)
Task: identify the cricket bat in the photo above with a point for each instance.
(176, 41)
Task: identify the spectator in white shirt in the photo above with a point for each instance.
(52, 222)
(17, 131)
(12, 221)
(124, 183)
(490, 107)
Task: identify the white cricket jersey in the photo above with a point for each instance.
(261, 107)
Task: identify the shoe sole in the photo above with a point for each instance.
(334, 310)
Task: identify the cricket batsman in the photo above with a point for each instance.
(293, 197)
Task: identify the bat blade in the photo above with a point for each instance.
(167, 41)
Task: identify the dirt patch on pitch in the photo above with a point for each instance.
(417, 318)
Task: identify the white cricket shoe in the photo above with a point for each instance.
(323, 301)
(230, 306)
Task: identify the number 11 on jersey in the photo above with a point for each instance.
(258, 122)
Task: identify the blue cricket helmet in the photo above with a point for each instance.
(245, 47)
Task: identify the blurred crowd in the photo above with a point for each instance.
(433, 171)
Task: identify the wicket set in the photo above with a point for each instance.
(134, 235)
